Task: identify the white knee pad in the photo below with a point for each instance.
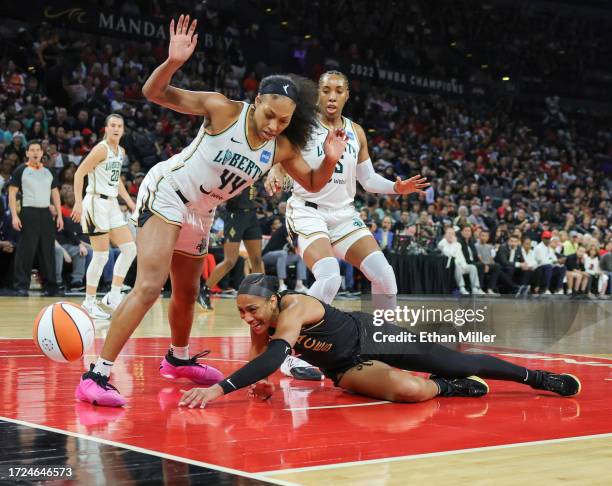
(328, 280)
(377, 270)
(96, 267)
(125, 259)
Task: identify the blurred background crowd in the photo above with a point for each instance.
(504, 106)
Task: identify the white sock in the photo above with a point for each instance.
(103, 367)
(90, 299)
(180, 352)
(116, 291)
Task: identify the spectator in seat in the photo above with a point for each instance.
(592, 267)
(280, 251)
(512, 264)
(470, 254)
(492, 270)
(549, 272)
(450, 247)
(384, 235)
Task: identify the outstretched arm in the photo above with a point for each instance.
(314, 180)
(373, 182)
(157, 89)
(294, 315)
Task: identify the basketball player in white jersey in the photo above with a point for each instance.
(235, 146)
(101, 218)
(326, 223)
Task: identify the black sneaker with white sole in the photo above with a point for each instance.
(472, 386)
(563, 384)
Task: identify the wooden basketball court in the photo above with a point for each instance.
(307, 433)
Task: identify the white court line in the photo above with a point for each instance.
(434, 454)
(162, 455)
(338, 406)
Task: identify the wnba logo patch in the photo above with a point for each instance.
(265, 156)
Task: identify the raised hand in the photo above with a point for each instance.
(182, 39)
(415, 184)
(334, 144)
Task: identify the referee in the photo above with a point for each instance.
(35, 222)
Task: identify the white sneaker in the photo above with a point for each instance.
(94, 310)
(478, 291)
(463, 291)
(282, 287)
(302, 289)
(559, 292)
(111, 302)
(492, 292)
(548, 292)
(300, 369)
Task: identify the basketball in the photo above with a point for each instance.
(63, 331)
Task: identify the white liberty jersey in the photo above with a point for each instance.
(340, 190)
(104, 179)
(215, 168)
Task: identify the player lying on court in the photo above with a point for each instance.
(175, 208)
(341, 344)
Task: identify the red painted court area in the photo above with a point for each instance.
(304, 424)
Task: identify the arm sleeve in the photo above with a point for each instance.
(371, 181)
(265, 364)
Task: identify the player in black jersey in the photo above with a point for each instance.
(337, 342)
(240, 224)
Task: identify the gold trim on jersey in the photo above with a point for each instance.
(291, 225)
(201, 136)
(349, 234)
(148, 204)
(312, 326)
(344, 119)
(190, 255)
(246, 132)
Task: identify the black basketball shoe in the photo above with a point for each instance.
(471, 386)
(564, 384)
(204, 297)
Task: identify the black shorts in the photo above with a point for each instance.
(241, 225)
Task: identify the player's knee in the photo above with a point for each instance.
(230, 261)
(128, 250)
(406, 389)
(377, 270)
(185, 294)
(147, 292)
(327, 275)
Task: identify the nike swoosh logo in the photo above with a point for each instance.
(285, 88)
(235, 141)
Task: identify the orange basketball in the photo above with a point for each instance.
(63, 331)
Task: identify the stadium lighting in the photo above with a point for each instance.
(506, 78)
(484, 66)
(453, 44)
(284, 23)
(307, 36)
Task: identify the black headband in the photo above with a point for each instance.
(282, 87)
(254, 289)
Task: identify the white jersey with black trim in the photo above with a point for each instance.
(340, 190)
(104, 179)
(215, 168)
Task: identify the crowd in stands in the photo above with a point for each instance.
(521, 204)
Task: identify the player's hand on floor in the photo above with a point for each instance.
(263, 390)
(199, 397)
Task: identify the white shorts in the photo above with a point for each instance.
(159, 194)
(342, 226)
(101, 214)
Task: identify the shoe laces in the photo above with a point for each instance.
(194, 359)
(101, 380)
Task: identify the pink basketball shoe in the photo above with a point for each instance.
(173, 368)
(95, 388)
